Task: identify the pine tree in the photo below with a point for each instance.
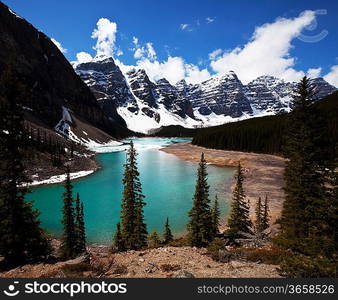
(259, 211)
(167, 235)
(306, 226)
(140, 230)
(134, 230)
(80, 226)
(118, 243)
(21, 238)
(239, 220)
(68, 247)
(154, 240)
(265, 216)
(200, 225)
(215, 217)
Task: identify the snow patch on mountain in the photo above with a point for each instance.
(146, 106)
(64, 126)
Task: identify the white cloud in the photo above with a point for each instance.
(209, 20)
(119, 52)
(268, 51)
(58, 44)
(142, 52)
(83, 57)
(186, 27)
(151, 51)
(173, 69)
(105, 33)
(214, 54)
(135, 41)
(194, 74)
(139, 53)
(332, 76)
(314, 72)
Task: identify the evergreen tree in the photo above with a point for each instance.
(215, 216)
(265, 216)
(259, 211)
(154, 240)
(80, 226)
(167, 235)
(69, 238)
(134, 231)
(118, 242)
(140, 230)
(239, 219)
(21, 238)
(307, 229)
(200, 225)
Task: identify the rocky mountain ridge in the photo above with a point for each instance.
(146, 106)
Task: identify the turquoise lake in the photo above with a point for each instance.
(168, 185)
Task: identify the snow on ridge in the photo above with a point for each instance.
(13, 13)
(60, 178)
(111, 146)
(64, 128)
(144, 124)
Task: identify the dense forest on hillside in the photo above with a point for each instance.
(267, 134)
(176, 131)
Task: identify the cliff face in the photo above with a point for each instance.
(47, 74)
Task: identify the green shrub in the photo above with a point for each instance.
(272, 256)
(180, 242)
(214, 247)
(301, 266)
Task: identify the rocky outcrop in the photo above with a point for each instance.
(222, 95)
(109, 86)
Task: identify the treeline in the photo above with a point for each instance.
(175, 131)
(39, 140)
(268, 134)
(260, 135)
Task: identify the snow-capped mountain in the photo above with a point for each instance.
(269, 94)
(222, 95)
(146, 106)
(108, 84)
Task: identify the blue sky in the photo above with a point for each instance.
(191, 30)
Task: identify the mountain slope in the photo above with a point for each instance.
(50, 79)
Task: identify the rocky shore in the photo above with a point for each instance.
(164, 262)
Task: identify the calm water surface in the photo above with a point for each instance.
(168, 185)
